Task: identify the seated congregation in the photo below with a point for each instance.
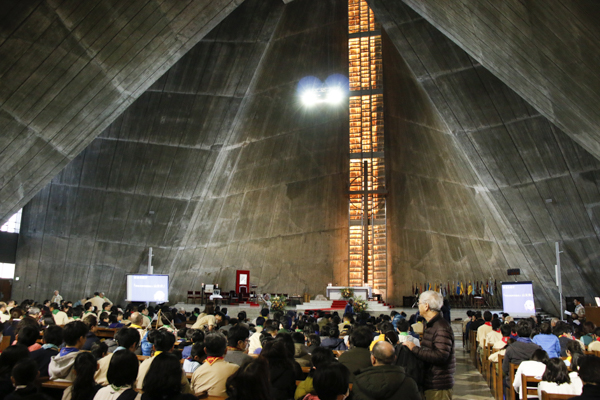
(535, 358)
(169, 354)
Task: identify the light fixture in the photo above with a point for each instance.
(312, 91)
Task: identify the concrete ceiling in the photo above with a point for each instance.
(238, 175)
(69, 68)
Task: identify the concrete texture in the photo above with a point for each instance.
(536, 178)
(69, 68)
(491, 150)
(238, 174)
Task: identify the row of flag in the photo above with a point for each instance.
(458, 288)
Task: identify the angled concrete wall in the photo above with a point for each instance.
(521, 158)
(442, 226)
(237, 174)
(69, 69)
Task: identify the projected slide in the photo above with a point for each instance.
(518, 299)
(150, 288)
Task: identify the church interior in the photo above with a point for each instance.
(470, 146)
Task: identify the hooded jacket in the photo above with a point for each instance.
(61, 367)
(384, 382)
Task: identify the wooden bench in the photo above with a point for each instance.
(551, 396)
(4, 343)
(499, 379)
(106, 333)
(525, 388)
(512, 394)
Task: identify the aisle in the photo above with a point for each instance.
(469, 383)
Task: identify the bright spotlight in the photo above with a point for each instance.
(335, 95)
(309, 98)
(312, 91)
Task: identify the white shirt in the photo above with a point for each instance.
(574, 388)
(529, 368)
(108, 393)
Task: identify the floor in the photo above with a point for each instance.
(469, 383)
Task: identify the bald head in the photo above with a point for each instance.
(382, 353)
(136, 318)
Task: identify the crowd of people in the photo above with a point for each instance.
(550, 350)
(166, 353)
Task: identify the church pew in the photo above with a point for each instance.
(512, 394)
(106, 333)
(4, 343)
(499, 379)
(485, 363)
(551, 396)
(526, 389)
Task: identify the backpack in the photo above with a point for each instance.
(413, 367)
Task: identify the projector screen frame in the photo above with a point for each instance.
(514, 314)
(166, 300)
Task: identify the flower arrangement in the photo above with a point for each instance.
(278, 303)
(347, 293)
(360, 305)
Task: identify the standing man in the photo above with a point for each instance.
(349, 310)
(266, 300)
(437, 348)
(579, 309)
(57, 298)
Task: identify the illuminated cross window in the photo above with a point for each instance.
(367, 237)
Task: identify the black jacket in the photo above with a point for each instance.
(384, 382)
(516, 353)
(355, 359)
(42, 358)
(437, 351)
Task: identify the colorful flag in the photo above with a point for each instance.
(462, 289)
(469, 288)
(458, 291)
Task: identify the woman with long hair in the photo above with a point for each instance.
(121, 376)
(556, 379)
(84, 386)
(163, 379)
(281, 369)
(250, 381)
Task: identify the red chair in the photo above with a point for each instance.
(190, 296)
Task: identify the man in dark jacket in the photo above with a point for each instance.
(384, 380)
(437, 348)
(359, 356)
(53, 337)
(522, 349)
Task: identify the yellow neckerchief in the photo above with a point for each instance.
(211, 360)
(156, 353)
(135, 326)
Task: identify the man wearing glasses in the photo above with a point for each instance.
(437, 348)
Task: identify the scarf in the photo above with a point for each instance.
(505, 339)
(49, 346)
(211, 360)
(488, 323)
(55, 311)
(67, 350)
